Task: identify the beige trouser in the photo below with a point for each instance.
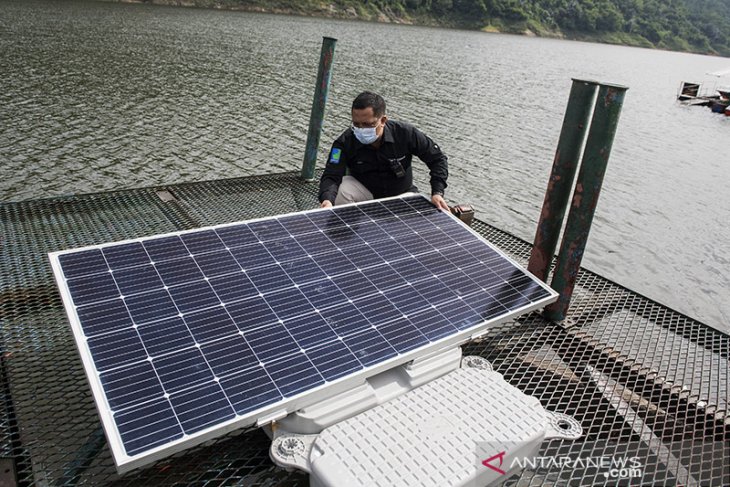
(352, 191)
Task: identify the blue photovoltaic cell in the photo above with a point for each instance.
(187, 331)
(333, 360)
(166, 336)
(294, 374)
(210, 324)
(217, 263)
(233, 287)
(236, 236)
(104, 317)
(131, 385)
(165, 248)
(148, 425)
(129, 255)
(268, 230)
(92, 288)
(201, 242)
(200, 407)
(249, 389)
(81, 264)
(178, 271)
(115, 349)
(137, 279)
(229, 355)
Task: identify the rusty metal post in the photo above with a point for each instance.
(585, 198)
(324, 74)
(565, 165)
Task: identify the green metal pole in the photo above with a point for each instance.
(585, 198)
(321, 91)
(572, 135)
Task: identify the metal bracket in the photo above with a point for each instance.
(291, 451)
(476, 362)
(275, 416)
(165, 195)
(562, 426)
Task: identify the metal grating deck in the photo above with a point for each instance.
(641, 378)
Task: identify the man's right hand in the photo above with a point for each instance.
(325, 204)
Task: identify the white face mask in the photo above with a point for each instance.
(366, 135)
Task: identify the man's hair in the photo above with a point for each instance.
(369, 99)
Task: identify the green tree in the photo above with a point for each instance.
(696, 25)
(472, 8)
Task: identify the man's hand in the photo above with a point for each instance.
(440, 202)
(325, 204)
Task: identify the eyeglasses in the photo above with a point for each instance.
(366, 125)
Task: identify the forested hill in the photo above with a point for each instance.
(680, 25)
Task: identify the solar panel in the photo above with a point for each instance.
(187, 336)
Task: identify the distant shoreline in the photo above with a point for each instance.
(385, 16)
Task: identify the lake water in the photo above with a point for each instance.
(99, 96)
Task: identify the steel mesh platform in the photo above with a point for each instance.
(637, 375)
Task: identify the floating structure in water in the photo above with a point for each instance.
(640, 378)
(697, 94)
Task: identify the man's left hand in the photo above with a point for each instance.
(440, 202)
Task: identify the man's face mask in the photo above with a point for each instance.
(366, 135)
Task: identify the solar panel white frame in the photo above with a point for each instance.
(125, 462)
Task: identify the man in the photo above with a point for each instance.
(378, 153)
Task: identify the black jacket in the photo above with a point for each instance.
(385, 171)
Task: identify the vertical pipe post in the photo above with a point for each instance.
(565, 165)
(585, 198)
(324, 74)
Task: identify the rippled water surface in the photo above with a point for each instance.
(100, 96)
